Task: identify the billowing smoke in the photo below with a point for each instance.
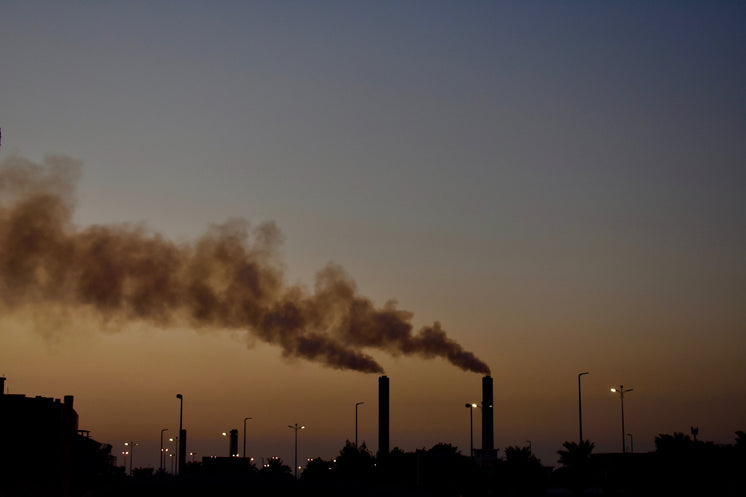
(229, 278)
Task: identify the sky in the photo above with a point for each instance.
(558, 185)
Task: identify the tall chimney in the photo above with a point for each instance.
(488, 432)
(383, 415)
(233, 449)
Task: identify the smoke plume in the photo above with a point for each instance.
(229, 278)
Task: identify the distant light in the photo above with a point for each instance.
(224, 433)
(613, 390)
(302, 427)
(474, 405)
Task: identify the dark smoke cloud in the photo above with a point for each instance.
(228, 278)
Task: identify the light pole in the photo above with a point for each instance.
(125, 453)
(471, 428)
(244, 435)
(631, 443)
(131, 445)
(296, 428)
(181, 418)
(175, 441)
(356, 404)
(621, 391)
(163, 457)
(580, 409)
(530, 449)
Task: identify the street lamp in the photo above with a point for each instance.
(175, 441)
(471, 427)
(125, 453)
(631, 443)
(356, 404)
(621, 391)
(580, 408)
(244, 435)
(131, 445)
(296, 428)
(179, 449)
(163, 457)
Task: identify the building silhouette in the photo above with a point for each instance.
(42, 451)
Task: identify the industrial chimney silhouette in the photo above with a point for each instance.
(233, 444)
(383, 415)
(488, 433)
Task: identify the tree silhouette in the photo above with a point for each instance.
(317, 470)
(576, 455)
(741, 440)
(678, 443)
(275, 468)
(444, 449)
(523, 472)
(354, 462)
(576, 471)
(519, 456)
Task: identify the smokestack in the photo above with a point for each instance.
(234, 443)
(488, 433)
(383, 415)
(2, 385)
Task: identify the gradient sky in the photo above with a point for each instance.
(561, 185)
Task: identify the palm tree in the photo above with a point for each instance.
(576, 455)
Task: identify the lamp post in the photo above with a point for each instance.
(296, 428)
(621, 391)
(244, 435)
(580, 409)
(175, 441)
(356, 405)
(471, 428)
(530, 448)
(131, 445)
(162, 453)
(179, 449)
(631, 443)
(125, 453)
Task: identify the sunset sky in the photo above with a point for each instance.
(561, 185)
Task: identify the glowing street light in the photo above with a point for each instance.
(296, 428)
(621, 391)
(125, 453)
(131, 452)
(175, 441)
(163, 456)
